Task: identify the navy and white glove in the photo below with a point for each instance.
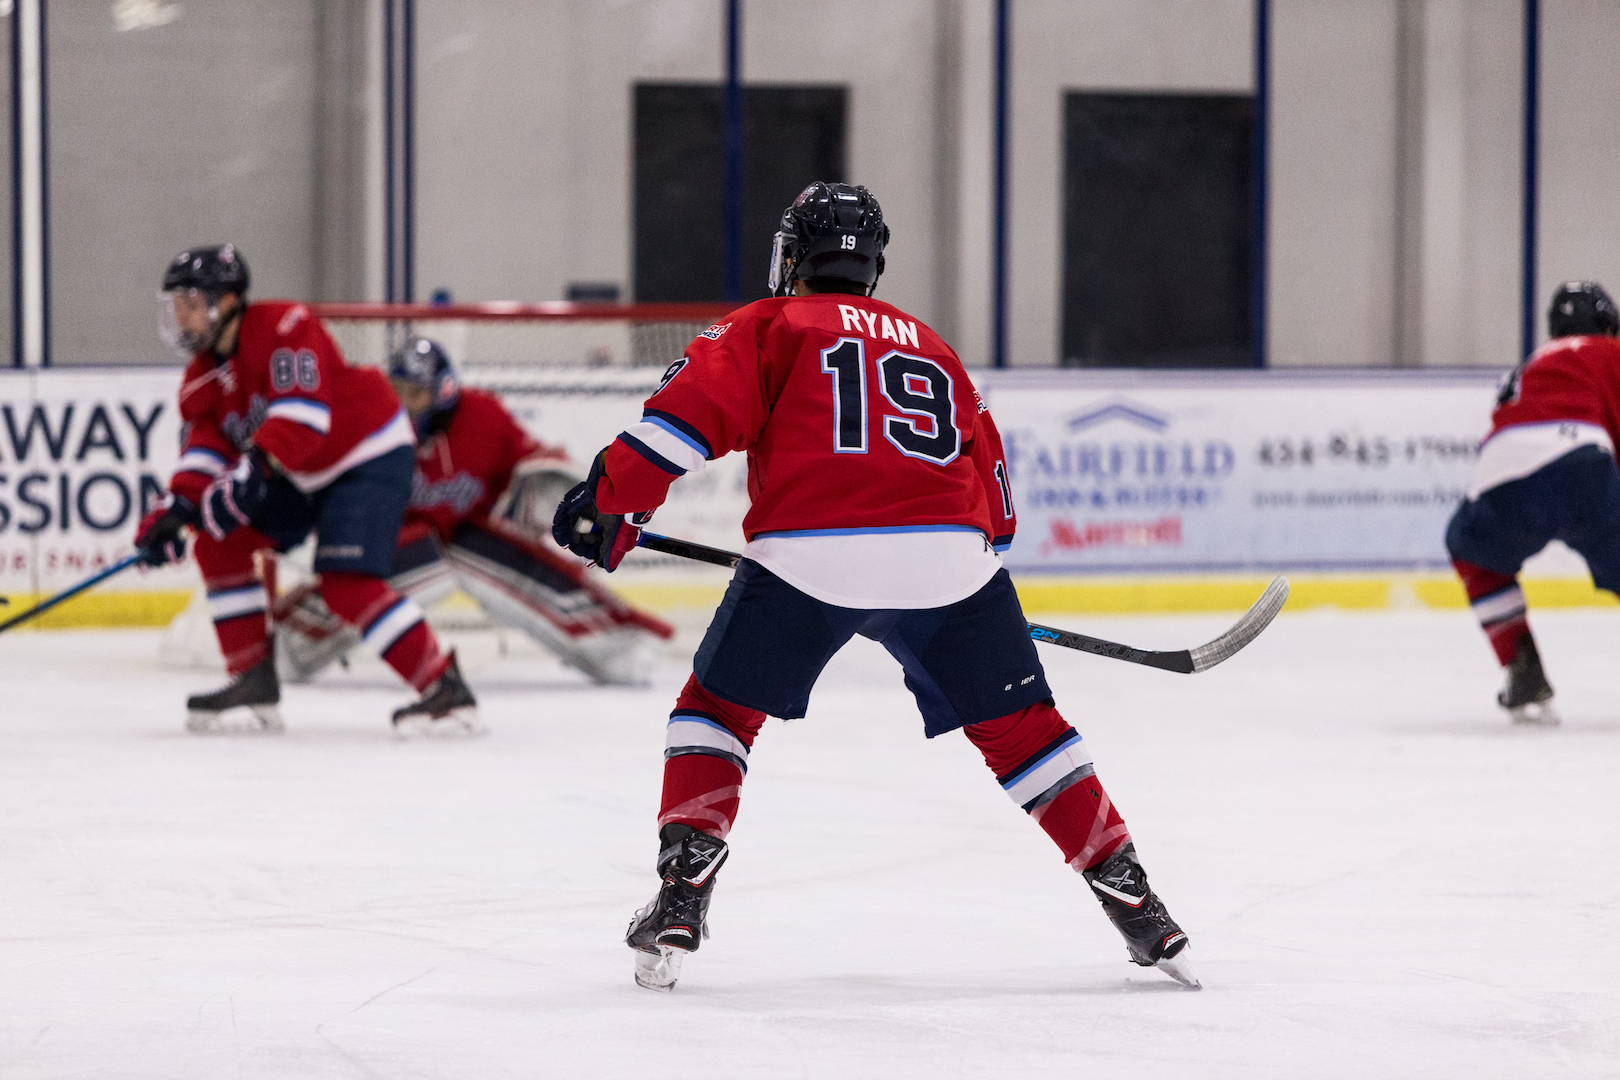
(161, 535)
(579, 526)
(235, 497)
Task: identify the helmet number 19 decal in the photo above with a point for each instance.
(919, 388)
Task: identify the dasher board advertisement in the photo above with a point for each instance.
(83, 454)
(1137, 471)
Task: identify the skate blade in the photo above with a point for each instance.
(456, 724)
(659, 970)
(1178, 969)
(259, 720)
(1535, 714)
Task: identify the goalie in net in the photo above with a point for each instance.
(479, 520)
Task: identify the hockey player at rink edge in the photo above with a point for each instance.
(479, 519)
(282, 439)
(1545, 472)
(879, 506)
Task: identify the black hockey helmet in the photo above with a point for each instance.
(424, 363)
(833, 237)
(206, 273)
(213, 271)
(1582, 307)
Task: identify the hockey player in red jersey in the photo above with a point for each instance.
(471, 524)
(1545, 472)
(282, 439)
(880, 501)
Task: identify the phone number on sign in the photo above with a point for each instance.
(1373, 452)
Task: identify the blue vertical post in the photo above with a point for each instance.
(408, 138)
(733, 135)
(1532, 134)
(44, 196)
(16, 188)
(389, 216)
(998, 226)
(1259, 180)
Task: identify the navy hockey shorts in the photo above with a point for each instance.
(355, 519)
(965, 663)
(1575, 498)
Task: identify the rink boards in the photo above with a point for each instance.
(1136, 491)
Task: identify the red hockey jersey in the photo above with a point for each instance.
(857, 420)
(462, 468)
(1567, 394)
(288, 392)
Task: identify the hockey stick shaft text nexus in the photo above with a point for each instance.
(71, 591)
(1184, 661)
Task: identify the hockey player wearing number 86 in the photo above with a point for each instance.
(880, 503)
(282, 439)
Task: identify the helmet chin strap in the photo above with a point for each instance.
(232, 320)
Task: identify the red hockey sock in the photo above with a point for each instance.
(1042, 764)
(391, 624)
(705, 760)
(237, 601)
(1498, 604)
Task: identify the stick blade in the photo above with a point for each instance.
(1246, 629)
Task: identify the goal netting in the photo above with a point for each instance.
(524, 336)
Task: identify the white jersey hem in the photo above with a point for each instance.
(391, 436)
(903, 569)
(1517, 451)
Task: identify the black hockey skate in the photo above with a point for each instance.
(1151, 935)
(1528, 695)
(256, 689)
(445, 708)
(676, 921)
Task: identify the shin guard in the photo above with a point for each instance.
(705, 760)
(237, 600)
(1043, 766)
(1498, 604)
(392, 625)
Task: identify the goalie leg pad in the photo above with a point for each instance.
(705, 759)
(420, 568)
(523, 585)
(1043, 766)
(308, 636)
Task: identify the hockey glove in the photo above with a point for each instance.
(579, 526)
(161, 535)
(234, 497)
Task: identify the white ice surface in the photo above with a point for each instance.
(1380, 877)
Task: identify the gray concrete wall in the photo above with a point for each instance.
(201, 129)
(1333, 173)
(1058, 45)
(1580, 149)
(1394, 164)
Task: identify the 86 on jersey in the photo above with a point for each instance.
(922, 391)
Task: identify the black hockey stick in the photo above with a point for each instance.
(1185, 661)
(71, 591)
